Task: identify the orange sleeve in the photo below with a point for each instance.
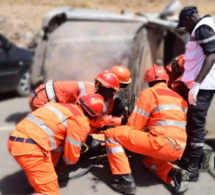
(101, 121)
(77, 132)
(142, 110)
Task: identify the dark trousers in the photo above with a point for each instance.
(196, 119)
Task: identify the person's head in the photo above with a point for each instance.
(92, 104)
(188, 18)
(155, 74)
(123, 74)
(107, 83)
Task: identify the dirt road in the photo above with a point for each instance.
(13, 180)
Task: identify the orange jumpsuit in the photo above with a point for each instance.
(163, 112)
(59, 91)
(53, 128)
(69, 92)
(107, 118)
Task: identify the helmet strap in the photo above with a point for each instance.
(87, 115)
(85, 107)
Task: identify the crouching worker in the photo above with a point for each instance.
(163, 111)
(55, 126)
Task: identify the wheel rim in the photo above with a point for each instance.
(24, 83)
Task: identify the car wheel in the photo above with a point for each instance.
(24, 86)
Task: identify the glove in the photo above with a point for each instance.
(94, 144)
(124, 121)
(193, 93)
(118, 107)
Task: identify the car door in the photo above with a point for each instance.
(9, 66)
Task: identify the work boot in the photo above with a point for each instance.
(193, 171)
(125, 184)
(205, 158)
(180, 179)
(182, 163)
(193, 168)
(191, 165)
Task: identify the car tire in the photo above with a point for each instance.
(24, 85)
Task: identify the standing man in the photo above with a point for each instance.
(199, 77)
(163, 112)
(53, 127)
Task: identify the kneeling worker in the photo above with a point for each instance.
(55, 126)
(163, 112)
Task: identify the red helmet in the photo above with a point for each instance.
(122, 73)
(93, 104)
(108, 79)
(155, 73)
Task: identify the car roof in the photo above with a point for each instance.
(91, 14)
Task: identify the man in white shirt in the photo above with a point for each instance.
(199, 77)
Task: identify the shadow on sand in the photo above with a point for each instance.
(16, 117)
(101, 173)
(16, 183)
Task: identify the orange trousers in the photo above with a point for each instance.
(37, 165)
(158, 151)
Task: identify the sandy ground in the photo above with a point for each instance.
(20, 20)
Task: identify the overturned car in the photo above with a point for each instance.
(77, 44)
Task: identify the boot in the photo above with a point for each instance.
(193, 169)
(125, 184)
(183, 162)
(180, 179)
(205, 158)
(190, 161)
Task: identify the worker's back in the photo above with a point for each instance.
(48, 126)
(59, 91)
(164, 112)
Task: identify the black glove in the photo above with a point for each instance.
(94, 144)
(124, 121)
(118, 107)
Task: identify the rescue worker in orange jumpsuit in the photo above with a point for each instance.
(124, 96)
(164, 113)
(175, 71)
(55, 126)
(113, 114)
(118, 106)
(106, 84)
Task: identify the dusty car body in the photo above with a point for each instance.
(78, 44)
